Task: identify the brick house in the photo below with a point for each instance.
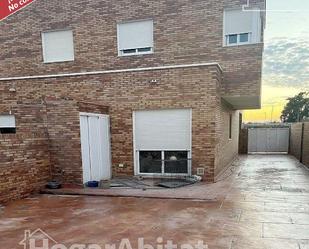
(95, 89)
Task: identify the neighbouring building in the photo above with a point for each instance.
(97, 89)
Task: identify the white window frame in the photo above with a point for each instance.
(44, 48)
(238, 39)
(162, 174)
(163, 164)
(120, 51)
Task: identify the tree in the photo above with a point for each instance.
(296, 109)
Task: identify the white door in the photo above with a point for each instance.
(268, 140)
(95, 146)
(162, 142)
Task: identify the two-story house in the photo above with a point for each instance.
(95, 89)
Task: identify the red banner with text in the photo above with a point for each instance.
(9, 7)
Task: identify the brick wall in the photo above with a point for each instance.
(243, 141)
(185, 32)
(227, 148)
(299, 130)
(24, 166)
(120, 94)
(24, 157)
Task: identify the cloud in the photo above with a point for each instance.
(286, 63)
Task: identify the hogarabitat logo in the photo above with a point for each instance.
(9, 7)
(39, 239)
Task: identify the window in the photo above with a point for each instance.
(162, 141)
(230, 126)
(176, 162)
(150, 161)
(244, 37)
(238, 39)
(135, 37)
(164, 162)
(58, 46)
(232, 39)
(7, 124)
(242, 27)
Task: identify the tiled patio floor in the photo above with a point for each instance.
(264, 204)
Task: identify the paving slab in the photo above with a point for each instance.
(262, 205)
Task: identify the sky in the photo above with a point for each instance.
(286, 57)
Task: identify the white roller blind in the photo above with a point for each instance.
(163, 130)
(58, 46)
(7, 121)
(239, 21)
(135, 35)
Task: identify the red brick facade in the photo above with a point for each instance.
(24, 157)
(47, 109)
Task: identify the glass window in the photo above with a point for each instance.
(232, 39)
(244, 37)
(176, 162)
(7, 130)
(173, 162)
(144, 49)
(150, 161)
(129, 51)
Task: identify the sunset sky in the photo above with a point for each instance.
(286, 57)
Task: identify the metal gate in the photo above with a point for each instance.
(268, 140)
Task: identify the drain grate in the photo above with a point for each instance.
(174, 184)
